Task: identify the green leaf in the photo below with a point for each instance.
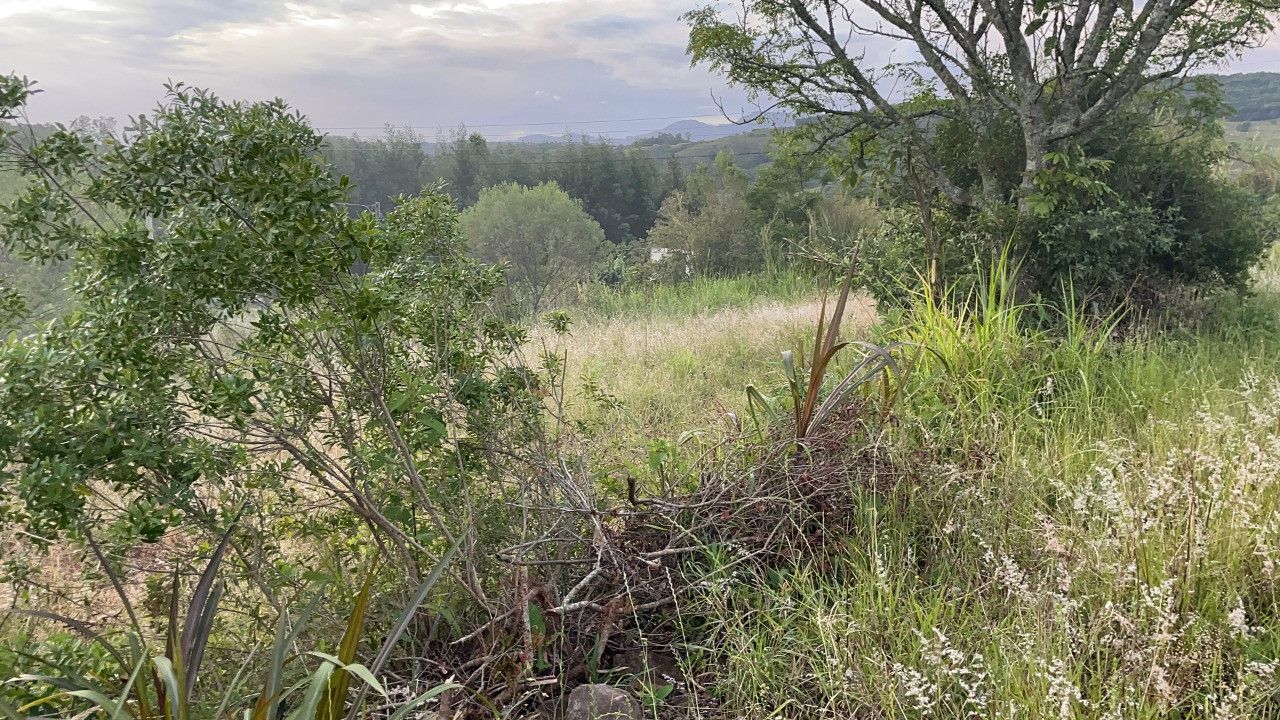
(317, 684)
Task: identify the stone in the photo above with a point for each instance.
(601, 702)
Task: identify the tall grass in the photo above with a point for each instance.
(137, 677)
(644, 376)
(696, 296)
(1091, 533)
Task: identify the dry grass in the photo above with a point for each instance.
(636, 379)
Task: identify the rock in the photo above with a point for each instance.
(601, 702)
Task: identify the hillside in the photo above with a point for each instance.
(1253, 96)
(691, 130)
(750, 150)
(1262, 134)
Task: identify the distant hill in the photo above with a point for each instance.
(694, 130)
(542, 139)
(1254, 96)
(691, 130)
(749, 150)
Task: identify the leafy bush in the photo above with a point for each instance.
(1164, 218)
(238, 337)
(546, 239)
(892, 255)
(1142, 209)
(712, 223)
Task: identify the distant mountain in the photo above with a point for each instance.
(691, 130)
(696, 130)
(750, 150)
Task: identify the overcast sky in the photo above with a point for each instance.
(513, 66)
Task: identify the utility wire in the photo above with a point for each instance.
(515, 124)
(613, 161)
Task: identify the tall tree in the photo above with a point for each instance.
(1058, 67)
(382, 169)
(710, 223)
(470, 167)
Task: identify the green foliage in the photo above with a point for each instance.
(710, 224)
(787, 192)
(1069, 495)
(751, 150)
(620, 188)
(1142, 211)
(382, 169)
(805, 381)
(1157, 217)
(548, 243)
(237, 332)
(1006, 139)
(699, 295)
(124, 675)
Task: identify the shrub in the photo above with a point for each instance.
(712, 223)
(892, 254)
(1166, 219)
(1139, 211)
(546, 239)
(240, 341)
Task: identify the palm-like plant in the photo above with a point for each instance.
(805, 380)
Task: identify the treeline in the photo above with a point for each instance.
(621, 188)
(548, 203)
(560, 215)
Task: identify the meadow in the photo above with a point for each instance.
(1081, 522)
(1089, 530)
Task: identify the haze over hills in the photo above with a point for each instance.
(692, 130)
(1252, 96)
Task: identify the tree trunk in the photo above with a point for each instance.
(1036, 147)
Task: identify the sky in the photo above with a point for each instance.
(507, 67)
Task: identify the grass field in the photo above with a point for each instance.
(1092, 535)
(1084, 525)
(650, 364)
(1260, 134)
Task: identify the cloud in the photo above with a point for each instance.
(428, 62)
(362, 63)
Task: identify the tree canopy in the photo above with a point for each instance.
(545, 238)
(621, 188)
(1057, 69)
(238, 335)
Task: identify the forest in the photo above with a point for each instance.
(954, 402)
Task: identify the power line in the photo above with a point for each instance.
(519, 161)
(515, 124)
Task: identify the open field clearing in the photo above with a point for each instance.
(672, 370)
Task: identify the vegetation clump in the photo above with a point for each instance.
(498, 430)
